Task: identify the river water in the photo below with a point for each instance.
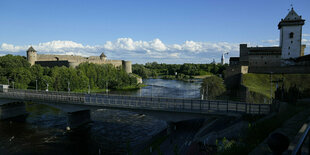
(112, 131)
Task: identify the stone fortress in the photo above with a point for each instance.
(73, 60)
(288, 57)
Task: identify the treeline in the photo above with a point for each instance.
(183, 70)
(17, 70)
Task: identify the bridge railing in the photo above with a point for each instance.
(136, 102)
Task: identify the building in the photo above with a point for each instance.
(73, 60)
(288, 57)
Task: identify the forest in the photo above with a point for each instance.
(186, 70)
(17, 72)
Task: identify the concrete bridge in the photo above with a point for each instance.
(77, 105)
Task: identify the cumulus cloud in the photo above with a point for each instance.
(306, 35)
(136, 51)
(271, 41)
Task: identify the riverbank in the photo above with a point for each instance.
(99, 90)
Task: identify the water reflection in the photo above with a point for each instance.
(166, 88)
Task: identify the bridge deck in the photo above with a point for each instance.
(135, 102)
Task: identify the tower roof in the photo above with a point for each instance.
(292, 15)
(31, 49)
(292, 18)
(102, 55)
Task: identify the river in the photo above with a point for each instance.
(111, 132)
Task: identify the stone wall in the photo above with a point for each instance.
(280, 70)
(53, 63)
(264, 60)
(74, 61)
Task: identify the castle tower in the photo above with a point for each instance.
(127, 66)
(290, 35)
(31, 55)
(103, 56)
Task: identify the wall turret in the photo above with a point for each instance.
(127, 66)
(31, 55)
(103, 56)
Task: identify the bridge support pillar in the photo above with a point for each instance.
(77, 118)
(171, 126)
(11, 110)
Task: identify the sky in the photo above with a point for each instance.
(165, 31)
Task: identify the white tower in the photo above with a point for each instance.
(223, 59)
(290, 35)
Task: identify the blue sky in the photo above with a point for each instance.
(169, 31)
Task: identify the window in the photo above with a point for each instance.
(291, 42)
(289, 53)
(291, 35)
(289, 47)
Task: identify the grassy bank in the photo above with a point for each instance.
(260, 83)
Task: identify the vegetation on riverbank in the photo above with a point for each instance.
(258, 131)
(212, 86)
(16, 71)
(260, 83)
(177, 71)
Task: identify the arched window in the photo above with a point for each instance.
(291, 35)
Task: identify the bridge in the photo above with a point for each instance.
(162, 108)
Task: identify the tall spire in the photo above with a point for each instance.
(223, 59)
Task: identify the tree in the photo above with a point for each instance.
(212, 87)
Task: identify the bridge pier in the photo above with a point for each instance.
(170, 127)
(12, 109)
(77, 118)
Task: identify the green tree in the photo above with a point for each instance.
(212, 87)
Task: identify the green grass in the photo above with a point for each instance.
(260, 83)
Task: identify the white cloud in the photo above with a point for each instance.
(306, 41)
(136, 51)
(306, 35)
(271, 41)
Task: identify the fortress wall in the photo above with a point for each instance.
(74, 61)
(53, 63)
(115, 63)
(264, 60)
(43, 57)
(280, 70)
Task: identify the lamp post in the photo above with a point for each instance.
(270, 87)
(207, 94)
(68, 86)
(107, 89)
(88, 88)
(46, 86)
